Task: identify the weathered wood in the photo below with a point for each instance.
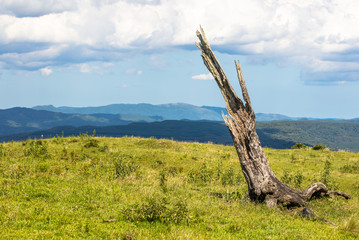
(262, 183)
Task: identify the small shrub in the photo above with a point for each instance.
(295, 179)
(299, 146)
(287, 177)
(318, 147)
(228, 196)
(202, 175)
(228, 177)
(178, 213)
(36, 148)
(156, 209)
(205, 174)
(152, 210)
(91, 143)
(124, 167)
(298, 179)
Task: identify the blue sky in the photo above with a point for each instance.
(299, 58)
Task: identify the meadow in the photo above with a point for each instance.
(91, 187)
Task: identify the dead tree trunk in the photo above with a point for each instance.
(262, 183)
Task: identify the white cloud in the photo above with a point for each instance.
(203, 77)
(46, 71)
(133, 71)
(314, 35)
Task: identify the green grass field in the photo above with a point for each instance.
(133, 188)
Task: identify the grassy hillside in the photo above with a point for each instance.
(134, 188)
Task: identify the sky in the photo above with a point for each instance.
(299, 58)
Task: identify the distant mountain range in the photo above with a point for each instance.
(18, 120)
(173, 111)
(182, 122)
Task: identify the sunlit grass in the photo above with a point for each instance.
(161, 189)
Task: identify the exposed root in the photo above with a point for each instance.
(320, 190)
(339, 193)
(284, 195)
(314, 190)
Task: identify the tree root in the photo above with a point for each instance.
(320, 190)
(286, 196)
(339, 193)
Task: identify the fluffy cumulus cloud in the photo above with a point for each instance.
(320, 36)
(207, 76)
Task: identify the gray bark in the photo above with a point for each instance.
(263, 185)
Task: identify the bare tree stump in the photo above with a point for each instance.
(263, 185)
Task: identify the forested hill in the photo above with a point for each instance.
(20, 120)
(173, 111)
(336, 135)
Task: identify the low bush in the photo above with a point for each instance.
(91, 143)
(202, 175)
(157, 209)
(299, 146)
(124, 167)
(36, 148)
(295, 179)
(319, 147)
